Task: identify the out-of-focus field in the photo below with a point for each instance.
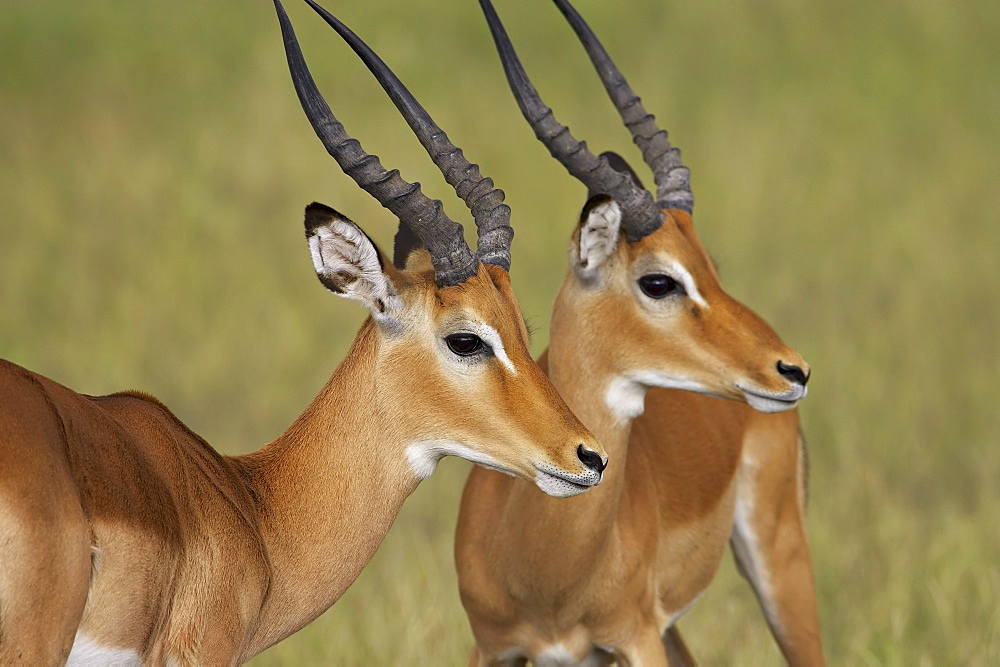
(154, 163)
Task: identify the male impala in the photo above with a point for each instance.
(124, 537)
(604, 577)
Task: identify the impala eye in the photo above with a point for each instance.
(659, 285)
(465, 344)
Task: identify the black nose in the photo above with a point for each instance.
(591, 459)
(793, 373)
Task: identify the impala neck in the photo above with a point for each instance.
(578, 528)
(329, 488)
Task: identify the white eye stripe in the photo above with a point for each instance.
(682, 274)
(490, 336)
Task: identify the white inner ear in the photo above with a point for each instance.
(599, 236)
(344, 256)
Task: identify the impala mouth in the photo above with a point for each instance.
(559, 484)
(766, 401)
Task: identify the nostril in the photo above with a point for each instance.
(793, 373)
(591, 459)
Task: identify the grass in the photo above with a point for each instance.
(154, 164)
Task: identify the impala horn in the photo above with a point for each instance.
(485, 202)
(451, 257)
(419, 215)
(673, 179)
(641, 216)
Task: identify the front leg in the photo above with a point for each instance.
(676, 650)
(769, 540)
(646, 650)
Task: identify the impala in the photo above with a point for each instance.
(640, 322)
(125, 538)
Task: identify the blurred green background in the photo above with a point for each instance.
(154, 163)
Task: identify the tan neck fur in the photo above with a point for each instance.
(581, 528)
(330, 488)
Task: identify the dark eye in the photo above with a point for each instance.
(659, 285)
(465, 344)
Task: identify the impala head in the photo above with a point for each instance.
(640, 279)
(451, 341)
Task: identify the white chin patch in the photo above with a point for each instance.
(761, 404)
(558, 487)
(764, 402)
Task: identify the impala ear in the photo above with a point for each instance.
(600, 225)
(348, 263)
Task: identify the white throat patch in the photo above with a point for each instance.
(423, 456)
(626, 394)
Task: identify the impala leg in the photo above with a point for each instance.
(676, 650)
(44, 578)
(645, 651)
(771, 548)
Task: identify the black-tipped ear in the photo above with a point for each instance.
(319, 215)
(593, 202)
(348, 263)
(618, 163)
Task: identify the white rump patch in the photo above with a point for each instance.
(491, 337)
(86, 652)
(599, 236)
(680, 273)
(423, 456)
(626, 395)
(342, 254)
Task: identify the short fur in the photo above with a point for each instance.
(606, 575)
(123, 527)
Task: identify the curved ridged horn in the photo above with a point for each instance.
(673, 179)
(453, 261)
(640, 215)
(492, 216)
